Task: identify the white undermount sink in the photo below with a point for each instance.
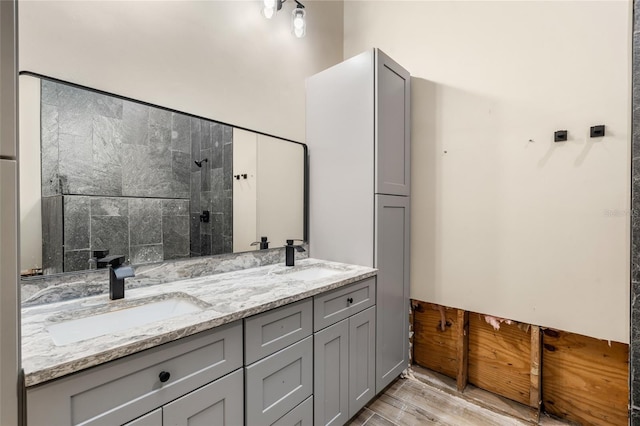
(92, 326)
(310, 273)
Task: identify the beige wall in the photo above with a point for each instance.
(30, 180)
(218, 59)
(505, 221)
(245, 191)
(280, 191)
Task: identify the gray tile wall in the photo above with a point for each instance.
(144, 230)
(634, 364)
(94, 144)
(129, 180)
(52, 254)
(212, 188)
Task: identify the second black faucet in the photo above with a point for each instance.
(290, 252)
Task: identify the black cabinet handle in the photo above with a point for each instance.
(164, 376)
(350, 300)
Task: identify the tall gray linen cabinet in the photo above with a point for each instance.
(358, 134)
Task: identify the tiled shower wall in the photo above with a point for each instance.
(128, 180)
(634, 363)
(211, 188)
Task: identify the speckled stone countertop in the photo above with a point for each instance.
(225, 298)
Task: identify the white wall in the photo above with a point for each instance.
(505, 221)
(269, 202)
(280, 191)
(245, 190)
(218, 59)
(30, 180)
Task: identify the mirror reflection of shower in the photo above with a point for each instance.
(199, 163)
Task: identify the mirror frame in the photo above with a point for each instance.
(148, 104)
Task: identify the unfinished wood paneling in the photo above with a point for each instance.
(433, 348)
(535, 378)
(584, 379)
(463, 349)
(499, 360)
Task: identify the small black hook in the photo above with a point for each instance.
(199, 163)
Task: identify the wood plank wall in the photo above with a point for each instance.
(585, 380)
(578, 378)
(499, 360)
(433, 348)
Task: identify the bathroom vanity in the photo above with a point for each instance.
(252, 348)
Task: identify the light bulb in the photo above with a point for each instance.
(268, 12)
(269, 8)
(298, 23)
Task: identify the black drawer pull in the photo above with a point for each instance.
(164, 376)
(350, 300)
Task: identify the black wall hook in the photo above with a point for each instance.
(199, 163)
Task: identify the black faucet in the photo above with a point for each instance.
(95, 255)
(264, 243)
(117, 273)
(290, 252)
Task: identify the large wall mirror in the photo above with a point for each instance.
(101, 172)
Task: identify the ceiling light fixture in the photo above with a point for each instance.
(270, 7)
(298, 20)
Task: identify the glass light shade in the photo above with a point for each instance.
(268, 12)
(298, 22)
(269, 8)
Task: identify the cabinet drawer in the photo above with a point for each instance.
(302, 415)
(336, 305)
(122, 390)
(154, 418)
(278, 383)
(219, 403)
(268, 332)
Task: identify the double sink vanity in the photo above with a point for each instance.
(269, 345)
(238, 338)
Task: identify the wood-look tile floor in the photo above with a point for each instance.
(413, 402)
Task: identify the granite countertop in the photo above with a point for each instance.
(224, 298)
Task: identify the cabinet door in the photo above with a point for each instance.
(216, 404)
(362, 361)
(392, 308)
(331, 375)
(392, 137)
(153, 418)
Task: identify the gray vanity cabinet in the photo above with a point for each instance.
(279, 374)
(393, 127)
(123, 390)
(358, 134)
(362, 359)
(344, 352)
(302, 415)
(392, 261)
(220, 403)
(153, 418)
(344, 369)
(331, 375)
